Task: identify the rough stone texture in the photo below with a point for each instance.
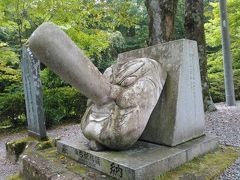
(14, 150)
(122, 99)
(33, 94)
(225, 123)
(194, 29)
(161, 20)
(48, 165)
(142, 161)
(57, 51)
(36, 167)
(178, 116)
(119, 124)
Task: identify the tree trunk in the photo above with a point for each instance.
(194, 29)
(161, 20)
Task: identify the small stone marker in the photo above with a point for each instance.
(33, 94)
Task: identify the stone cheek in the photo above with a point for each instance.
(120, 123)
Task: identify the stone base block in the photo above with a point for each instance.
(178, 116)
(142, 161)
(49, 165)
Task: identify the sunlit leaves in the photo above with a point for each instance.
(215, 58)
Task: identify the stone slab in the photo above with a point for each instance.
(36, 167)
(179, 116)
(48, 165)
(33, 95)
(142, 161)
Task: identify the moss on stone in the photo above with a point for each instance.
(44, 144)
(20, 141)
(71, 165)
(16, 147)
(15, 177)
(77, 168)
(208, 166)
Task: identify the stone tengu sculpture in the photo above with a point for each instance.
(121, 100)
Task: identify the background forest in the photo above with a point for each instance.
(102, 29)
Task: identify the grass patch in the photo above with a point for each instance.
(208, 166)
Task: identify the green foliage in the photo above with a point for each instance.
(215, 57)
(216, 79)
(50, 80)
(213, 31)
(199, 168)
(12, 108)
(92, 26)
(63, 104)
(10, 76)
(60, 104)
(88, 23)
(179, 20)
(136, 36)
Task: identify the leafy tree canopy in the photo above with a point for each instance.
(87, 22)
(215, 57)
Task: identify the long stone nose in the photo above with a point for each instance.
(54, 49)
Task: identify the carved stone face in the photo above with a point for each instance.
(123, 100)
(137, 85)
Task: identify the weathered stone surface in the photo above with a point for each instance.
(179, 115)
(15, 148)
(33, 94)
(142, 161)
(49, 165)
(122, 99)
(35, 167)
(57, 51)
(119, 124)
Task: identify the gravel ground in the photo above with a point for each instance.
(7, 168)
(225, 123)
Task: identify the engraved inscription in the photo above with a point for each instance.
(88, 158)
(64, 149)
(192, 75)
(116, 170)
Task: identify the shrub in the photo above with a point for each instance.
(12, 108)
(217, 88)
(63, 104)
(60, 104)
(216, 76)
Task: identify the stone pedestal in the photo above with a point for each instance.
(142, 161)
(179, 115)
